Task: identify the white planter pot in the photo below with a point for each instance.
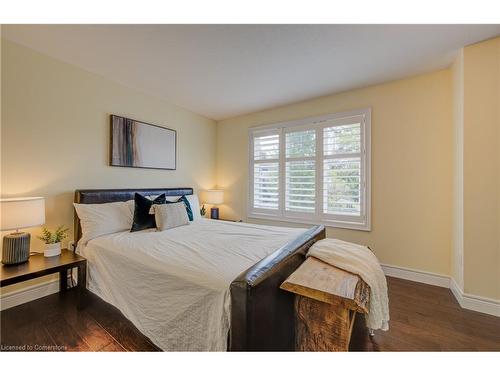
(52, 249)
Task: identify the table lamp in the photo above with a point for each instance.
(17, 213)
(214, 197)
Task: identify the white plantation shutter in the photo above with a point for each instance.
(315, 170)
(300, 171)
(342, 182)
(266, 185)
(341, 190)
(266, 150)
(266, 147)
(342, 139)
(300, 186)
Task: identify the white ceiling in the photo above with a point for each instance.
(221, 71)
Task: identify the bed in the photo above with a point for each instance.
(212, 285)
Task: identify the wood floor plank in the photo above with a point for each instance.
(29, 337)
(113, 347)
(95, 336)
(124, 332)
(428, 318)
(65, 336)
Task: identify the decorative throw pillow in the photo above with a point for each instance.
(170, 215)
(184, 200)
(142, 218)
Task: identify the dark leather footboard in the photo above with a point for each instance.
(262, 315)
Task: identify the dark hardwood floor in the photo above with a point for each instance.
(54, 323)
(423, 318)
(428, 318)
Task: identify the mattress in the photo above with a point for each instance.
(174, 285)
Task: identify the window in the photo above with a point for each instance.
(266, 171)
(315, 170)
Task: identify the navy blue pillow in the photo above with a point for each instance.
(184, 200)
(142, 218)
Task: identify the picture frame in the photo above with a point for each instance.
(138, 144)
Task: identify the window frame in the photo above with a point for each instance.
(319, 123)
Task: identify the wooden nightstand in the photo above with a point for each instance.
(327, 300)
(38, 266)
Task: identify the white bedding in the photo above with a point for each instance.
(174, 285)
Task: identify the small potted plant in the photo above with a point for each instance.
(53, 240)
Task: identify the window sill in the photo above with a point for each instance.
(365, 227)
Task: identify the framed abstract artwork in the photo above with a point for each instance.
(138, 144)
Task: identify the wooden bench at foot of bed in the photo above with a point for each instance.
(326, 303)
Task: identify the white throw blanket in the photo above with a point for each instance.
(361, 261)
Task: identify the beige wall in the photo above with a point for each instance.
(55, 134)
(412, 140)
(1, 40)
(481, 189)
(457, 262)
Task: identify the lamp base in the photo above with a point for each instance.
(16, 248)
(214, 213)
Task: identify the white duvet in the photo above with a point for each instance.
(174, 285)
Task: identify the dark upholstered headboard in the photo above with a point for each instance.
(118, 195)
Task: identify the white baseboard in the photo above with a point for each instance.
(28, 294)
(456, 290)
(466, 301)
(417, 275)
(475, 303)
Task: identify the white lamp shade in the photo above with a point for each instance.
(214, 196)
(17, 213)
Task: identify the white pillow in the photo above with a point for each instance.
(153, 197)
(193, 202)
(170, 215)
(170, 198)
(104, 218)
(195, 205)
